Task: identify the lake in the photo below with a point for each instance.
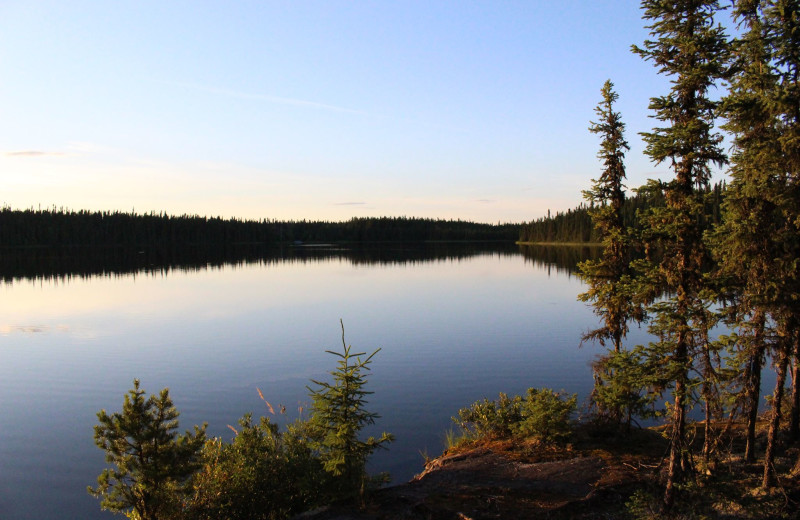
(455, 323)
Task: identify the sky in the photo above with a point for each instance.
(318, 110)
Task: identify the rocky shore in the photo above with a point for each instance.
(600, 475)
(504, 480)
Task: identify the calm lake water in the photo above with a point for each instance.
(455, 324)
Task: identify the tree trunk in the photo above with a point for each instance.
(709, 379)
(708, 441)
(753, 385)
(794, 419)
(676, 446)
(775, 419)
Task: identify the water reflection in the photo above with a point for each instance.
(63, 264)
(562, 259)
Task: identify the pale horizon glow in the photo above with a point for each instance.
(316, 110)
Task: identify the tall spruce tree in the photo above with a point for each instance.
(607, 275)
(744, 242)
(782, 30)
(620, 382)
(690, 48)
(758, 247)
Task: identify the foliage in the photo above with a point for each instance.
(542, 414)
(608, 278)
(691, 49)
(339, 415)
(152, 461)
(575, 225)
(758, 245)
(626, 387)
(453, 438)
(262, 475)
(546, 415)
(643, 505)
(491, 419)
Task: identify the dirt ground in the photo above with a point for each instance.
(504, 480)
(597, 477)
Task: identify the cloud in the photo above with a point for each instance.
(31, 153)
(349, 203)
(263, 97)
(486, 201)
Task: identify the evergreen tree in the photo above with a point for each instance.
(606, 277)
(782, 30)
(152, 461)
(338, 418)
(757, 245)
(689, 48)
(619, 392)
(744, 242)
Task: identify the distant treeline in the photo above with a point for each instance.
(575, 225)
(58, 227)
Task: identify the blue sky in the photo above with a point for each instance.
(315, 109)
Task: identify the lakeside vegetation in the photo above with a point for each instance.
(157, 473)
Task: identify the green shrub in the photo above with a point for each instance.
(491, 419)
(625, 388)
(546, 415)
(543, 414)
(261, 475)
(643, 505)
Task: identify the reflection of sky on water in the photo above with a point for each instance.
(450, 332)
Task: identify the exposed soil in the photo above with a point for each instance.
(509, 480)
(593, 478)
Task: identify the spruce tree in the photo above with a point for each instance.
(757, 245)
(744, 244)
(152, 461)
(339, 415)
(620, 382)
(606, 277)
(690, 48)
(782, 31)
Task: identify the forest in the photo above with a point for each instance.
(61, 227)
(575, 225)
(711, 272)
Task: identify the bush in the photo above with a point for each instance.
(625, 388)
(543, 414)
(491, 419)
(261, 475)
(546, 415)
